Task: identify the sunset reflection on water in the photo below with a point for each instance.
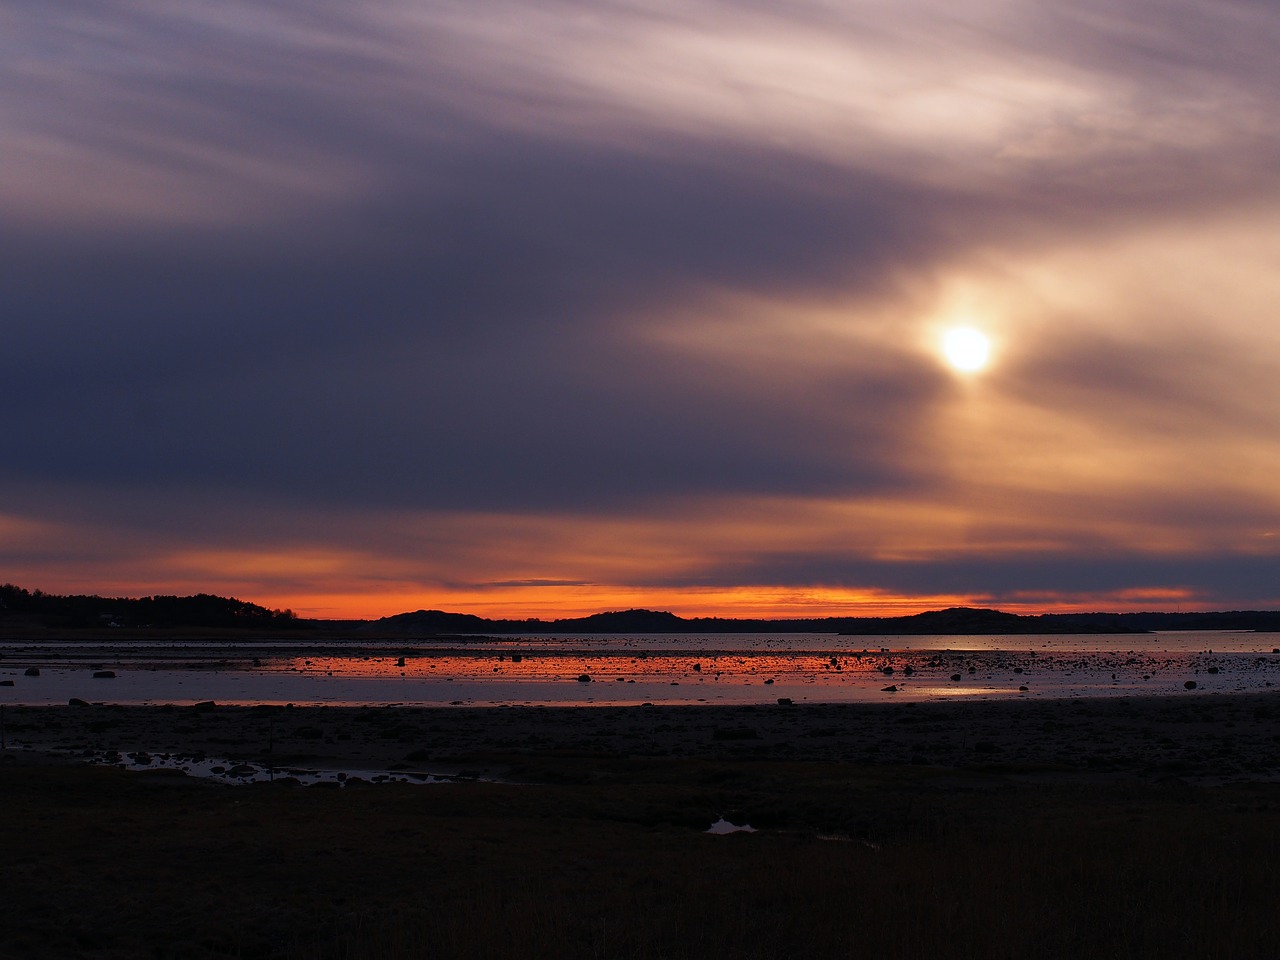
(639, 670)
(607, 667)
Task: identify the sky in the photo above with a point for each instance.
(544, 308)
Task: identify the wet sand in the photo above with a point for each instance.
(1200, 738)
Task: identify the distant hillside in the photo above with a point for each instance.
(954, 621)
(968, 620)
(1263, 621)
(424, 622)
(33, 611)
(23, 608)
(427, 622)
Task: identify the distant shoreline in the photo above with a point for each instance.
(36, 615)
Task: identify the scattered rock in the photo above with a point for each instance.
(104, 674)
(785, 701)
(6, 683)
(892, 688)
(204, 706)
(955, 676)
(77, 702)
(31, 672)
(1190, 684)
(584, 678)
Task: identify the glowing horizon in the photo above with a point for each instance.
(747, 603)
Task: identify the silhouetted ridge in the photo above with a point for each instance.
(1266, 621)
(957, 620)
(627, 621)
(428, 622)
(617, 621)
(22, 610)
(202, 610)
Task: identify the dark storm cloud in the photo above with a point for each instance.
(453, 352)
(459, 331)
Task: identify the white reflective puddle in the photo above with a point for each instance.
(723, 826)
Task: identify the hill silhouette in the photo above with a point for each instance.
(22, 610)
(952, 621)
(37, 609)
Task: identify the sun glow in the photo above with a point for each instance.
(966, 349)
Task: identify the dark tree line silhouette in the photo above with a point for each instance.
(201, 610)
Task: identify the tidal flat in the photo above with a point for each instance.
(1134, 827)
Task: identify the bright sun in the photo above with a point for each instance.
(966, 349)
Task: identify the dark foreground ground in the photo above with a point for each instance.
(1137, 828)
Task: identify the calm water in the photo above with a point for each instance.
(652, 668)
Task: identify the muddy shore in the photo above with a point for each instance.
(1049, 829)
(1208, 739)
